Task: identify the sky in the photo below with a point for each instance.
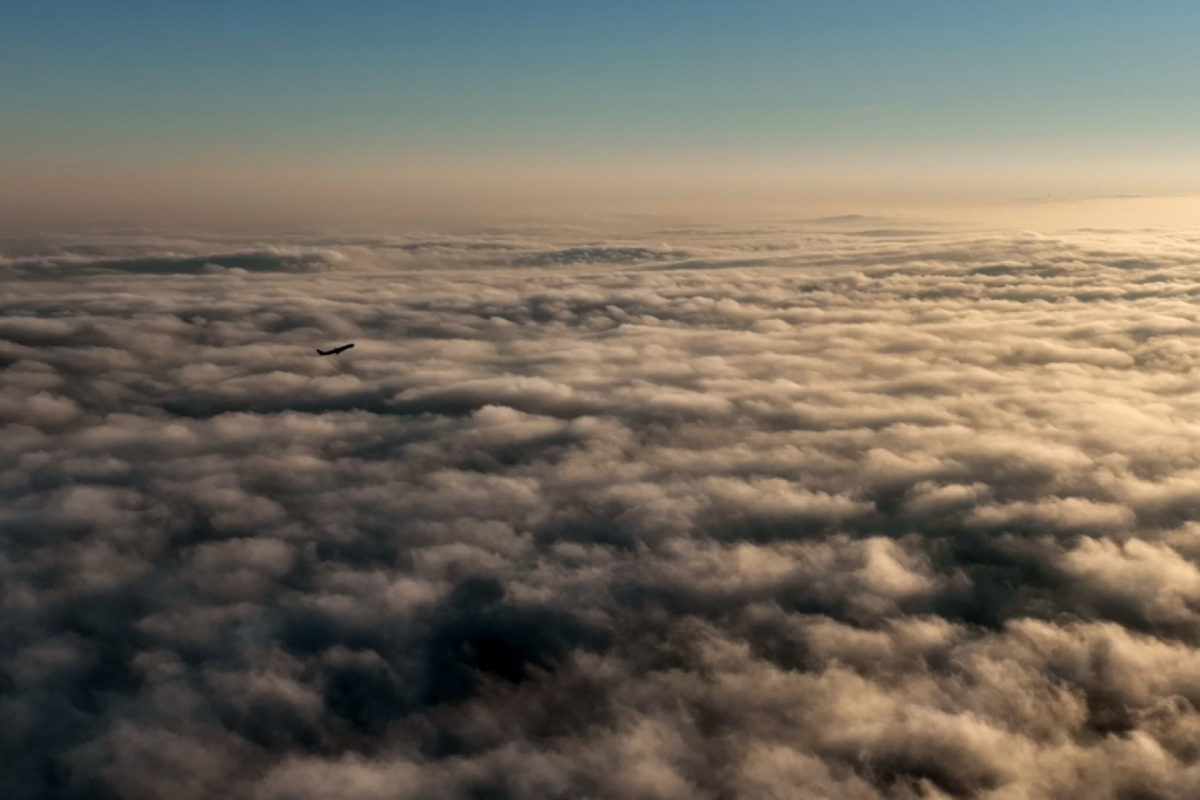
(375, 108)
(748, 400)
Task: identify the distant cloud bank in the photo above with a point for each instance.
(704, 513)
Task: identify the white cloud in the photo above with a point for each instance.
(739, 514)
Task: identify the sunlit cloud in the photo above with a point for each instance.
(843, 509)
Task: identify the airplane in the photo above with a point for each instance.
(335, 350)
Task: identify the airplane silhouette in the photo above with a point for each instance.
(335, 350)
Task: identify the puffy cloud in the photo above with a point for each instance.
(801, 511)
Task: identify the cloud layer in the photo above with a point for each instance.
(776, 513)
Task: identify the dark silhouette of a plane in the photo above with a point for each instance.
(335, 350)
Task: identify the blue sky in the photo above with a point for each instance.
(615, 74)
(716, 80)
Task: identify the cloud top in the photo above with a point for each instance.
(711, 513)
